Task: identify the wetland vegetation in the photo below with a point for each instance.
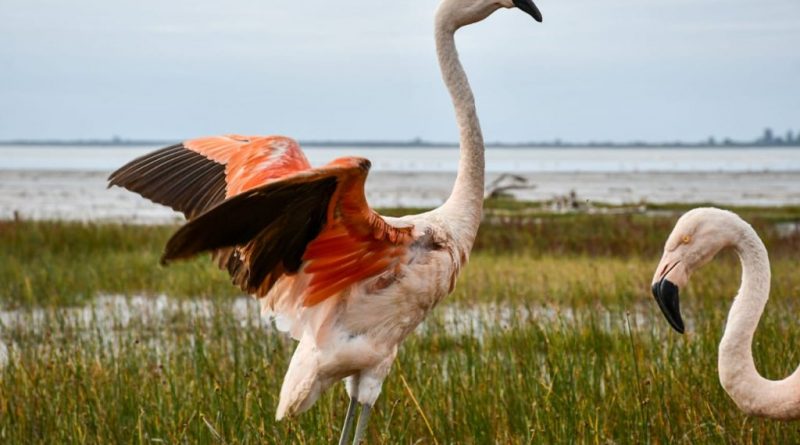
(550, 337)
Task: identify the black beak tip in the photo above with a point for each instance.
(529, 7)
(667, 296)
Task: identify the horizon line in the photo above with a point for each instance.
(419, 142)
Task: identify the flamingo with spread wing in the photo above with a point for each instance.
(346, 282)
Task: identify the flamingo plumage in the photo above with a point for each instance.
(697, 237)
(346, 282)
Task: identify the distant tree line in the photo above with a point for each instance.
(770, 139)
(767, 139)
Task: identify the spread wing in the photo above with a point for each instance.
(317, 221)
(276, 217)
(198, 174)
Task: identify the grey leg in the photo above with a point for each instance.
(362, 423)
(348, 422)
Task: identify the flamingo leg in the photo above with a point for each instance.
(362, 423)
(348, 421)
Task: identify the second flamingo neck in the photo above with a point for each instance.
(737, 371)
(465, 203)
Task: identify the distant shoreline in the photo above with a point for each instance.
(83, 195)
(418, 143)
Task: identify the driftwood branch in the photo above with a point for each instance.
(503, 184)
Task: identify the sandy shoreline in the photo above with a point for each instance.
(75, 195)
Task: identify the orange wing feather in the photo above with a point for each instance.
(356, 243)
(251, 161)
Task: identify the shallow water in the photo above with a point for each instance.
(46, 182)
(443, 160)
(787, 229)
(75, 195)
(111, 319)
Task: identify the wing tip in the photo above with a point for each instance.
(174, 176)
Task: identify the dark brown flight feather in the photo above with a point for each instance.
(260, 234)
(176, 177)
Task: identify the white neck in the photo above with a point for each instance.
(464, 206)
(753, 393)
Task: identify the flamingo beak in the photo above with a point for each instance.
(530, 8)
(667, 296)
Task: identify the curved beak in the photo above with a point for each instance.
(671, 274)
(667, 296)
(530, 8)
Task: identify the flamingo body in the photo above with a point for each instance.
(346, 282)
(333, 272)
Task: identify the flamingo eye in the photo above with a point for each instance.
(686, 239)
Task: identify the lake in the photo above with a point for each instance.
(430, 159)
(42, 182)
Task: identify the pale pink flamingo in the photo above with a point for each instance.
(695, 240)
(347, 283)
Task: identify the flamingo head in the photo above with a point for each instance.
(697, 237)
(465, 12)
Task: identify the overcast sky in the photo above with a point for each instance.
(366, 69)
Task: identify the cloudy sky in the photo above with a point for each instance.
(366, 69)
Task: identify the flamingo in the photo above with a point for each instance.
(697, 237)
(346, 282)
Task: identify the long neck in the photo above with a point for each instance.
(465, 204)
(737, 371)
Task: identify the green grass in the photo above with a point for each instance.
(587, 357)
(56, 263)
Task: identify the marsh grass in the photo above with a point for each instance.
(567, 346)
(56, 263)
